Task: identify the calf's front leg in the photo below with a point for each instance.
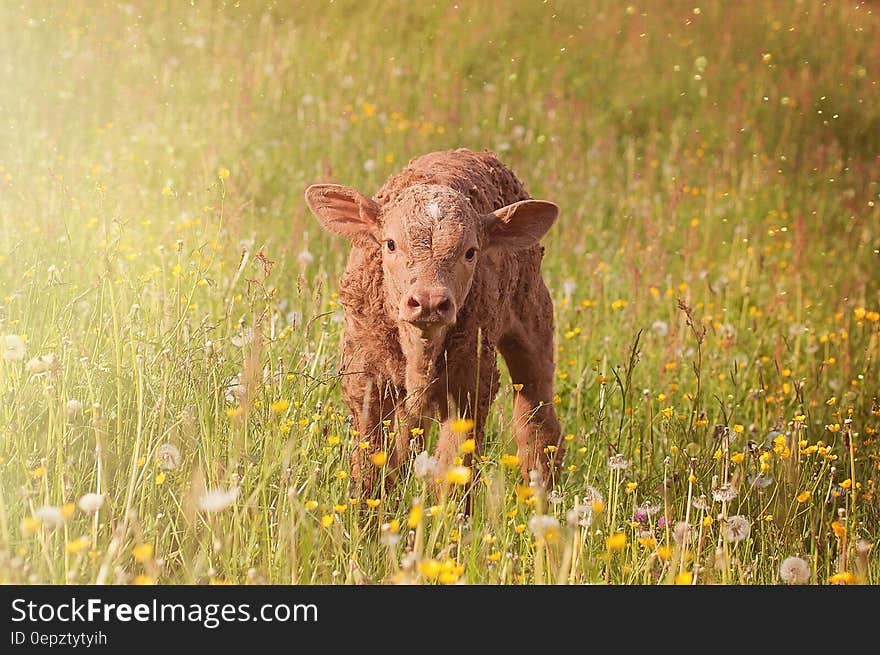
(370, 401)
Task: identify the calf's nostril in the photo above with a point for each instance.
(444, 306)
(413, 303)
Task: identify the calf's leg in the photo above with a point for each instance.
(370, 402)
(471, 391)
(528, 351)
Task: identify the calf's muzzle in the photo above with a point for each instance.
(428, 307)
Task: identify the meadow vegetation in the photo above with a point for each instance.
(169, 380)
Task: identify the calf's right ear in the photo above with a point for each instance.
(344, 211)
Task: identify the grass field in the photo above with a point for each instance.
(169, 389)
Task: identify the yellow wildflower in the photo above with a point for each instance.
(415, 516)
(511, 461)
(462, 425)
(142, 552)
(684, 578)
(616, 541)
(844, 577)
(459, 475)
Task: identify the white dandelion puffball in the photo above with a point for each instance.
(593, 495)
(74, 407)
(91, 502)
(216, 500)
(794, 570)
(724, 493)
(388, 536)
(425, 466)
(168, 456)
(660, 328)
(40, 364)
(13, 348)
(541, 525)
(681, 532)
(50, 516)
(737, 529)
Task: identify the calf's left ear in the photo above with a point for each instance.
(520, 225)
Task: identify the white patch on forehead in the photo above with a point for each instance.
(433, 209)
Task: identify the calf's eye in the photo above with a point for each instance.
(391, 245)
(469, 255)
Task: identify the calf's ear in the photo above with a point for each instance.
(344, 211)
(520, 225)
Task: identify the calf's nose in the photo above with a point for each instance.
(431, 305)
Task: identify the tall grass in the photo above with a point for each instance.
(173, 326)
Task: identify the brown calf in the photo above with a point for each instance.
(444, 260)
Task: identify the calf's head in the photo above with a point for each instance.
(432, 241)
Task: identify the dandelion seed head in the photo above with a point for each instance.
(555, 497)
(593, 495)
(681, 532)
(50, 516)
(74, 407)
(389, 534)
(90, 502)
(13, 348)
(660, 328)
(737, 528)
(425, 466)
(235, 390)
(724, 493)
(794, 570)
(618, 462)
(759, 481)
(544, 527)
(216, 500)
(168, 456)
(40, 364)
